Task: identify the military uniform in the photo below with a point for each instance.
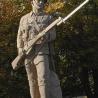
(39, 71)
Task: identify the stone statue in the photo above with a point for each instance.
(43, 81)
(35, 44)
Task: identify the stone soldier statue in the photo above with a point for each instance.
(43, 81)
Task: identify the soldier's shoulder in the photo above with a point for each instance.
(25, 16)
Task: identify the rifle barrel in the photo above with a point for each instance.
(74, 11)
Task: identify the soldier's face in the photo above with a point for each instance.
(38, 4)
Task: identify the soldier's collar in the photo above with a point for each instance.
(31, 13)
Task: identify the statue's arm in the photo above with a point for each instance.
(20, 43)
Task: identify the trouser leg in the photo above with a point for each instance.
(43, 75)
(32, 78)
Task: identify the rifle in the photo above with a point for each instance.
(17, 61)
